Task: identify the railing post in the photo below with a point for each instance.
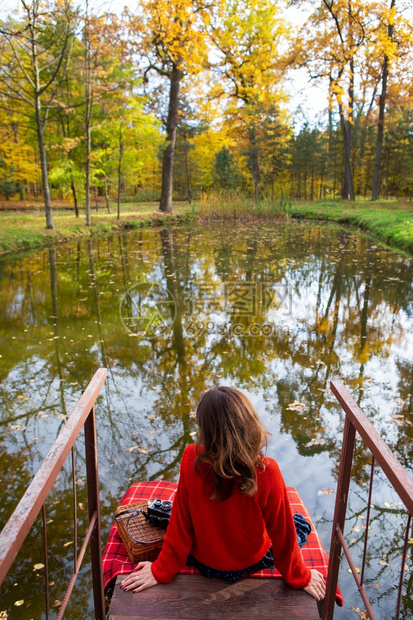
(343, 485)
(93, 501)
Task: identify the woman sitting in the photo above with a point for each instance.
(231, 515)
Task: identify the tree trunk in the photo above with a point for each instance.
(255, 166)
(348, 190)
(107, 195)
(188, 180)
(88, 116)
(380, 126)
(73, 188)
(87, 171)
(43, 165)
(169, 152)
(120, 168)
(312, 183)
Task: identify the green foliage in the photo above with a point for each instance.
(225, 169)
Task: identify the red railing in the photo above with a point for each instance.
(33, 501)
(397, 476)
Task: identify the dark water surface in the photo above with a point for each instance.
(276, 310)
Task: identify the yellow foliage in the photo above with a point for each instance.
(17, 158)
(172, 31)
(202, 156)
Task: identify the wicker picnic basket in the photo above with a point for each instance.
(137, 528)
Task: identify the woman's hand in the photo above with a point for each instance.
(317, 585)
(141, 579)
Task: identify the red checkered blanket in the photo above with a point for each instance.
(116, 561)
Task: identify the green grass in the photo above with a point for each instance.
(24, 228)
(390, 221)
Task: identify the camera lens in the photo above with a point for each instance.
(157, 503)
(166, 506)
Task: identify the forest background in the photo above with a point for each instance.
(184, 100)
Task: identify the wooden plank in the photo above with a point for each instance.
(193, 597)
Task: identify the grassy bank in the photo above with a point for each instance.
(24, 226)
(390, 221)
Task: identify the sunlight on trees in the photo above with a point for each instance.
(181, 98)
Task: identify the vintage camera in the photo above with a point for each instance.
(159, 512)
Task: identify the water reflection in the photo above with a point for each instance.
(277, 313)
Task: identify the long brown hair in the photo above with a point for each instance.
(231, 440)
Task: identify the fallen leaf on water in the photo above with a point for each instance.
(357, 570)
(193, 434)
(132, 448)
(326, 492)
(3, 615)
(377, 585)
(399, 401)
(18, 603)
(315, 442)
(296, 406)
(363, 614)
(38, 566)
(56, 603)
(17, 427)
(68, 543)
(410, 541)
(144, 450)
(383, 563)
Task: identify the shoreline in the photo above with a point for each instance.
(21, 231)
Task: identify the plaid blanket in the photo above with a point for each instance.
(116, 561)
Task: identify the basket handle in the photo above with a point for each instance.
(134, 513)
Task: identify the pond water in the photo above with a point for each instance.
(277, 310)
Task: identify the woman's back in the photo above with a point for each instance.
(233, 533)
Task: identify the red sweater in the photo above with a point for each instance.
(234, 533)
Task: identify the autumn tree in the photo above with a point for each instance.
(168, 35)
(391, 48)
(125, 142)
(35, 50)
(246, 36)
(18, 165)
(106, 72)
(328, 46)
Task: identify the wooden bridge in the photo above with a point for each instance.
(191, 597)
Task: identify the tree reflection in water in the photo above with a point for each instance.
(277, 313)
